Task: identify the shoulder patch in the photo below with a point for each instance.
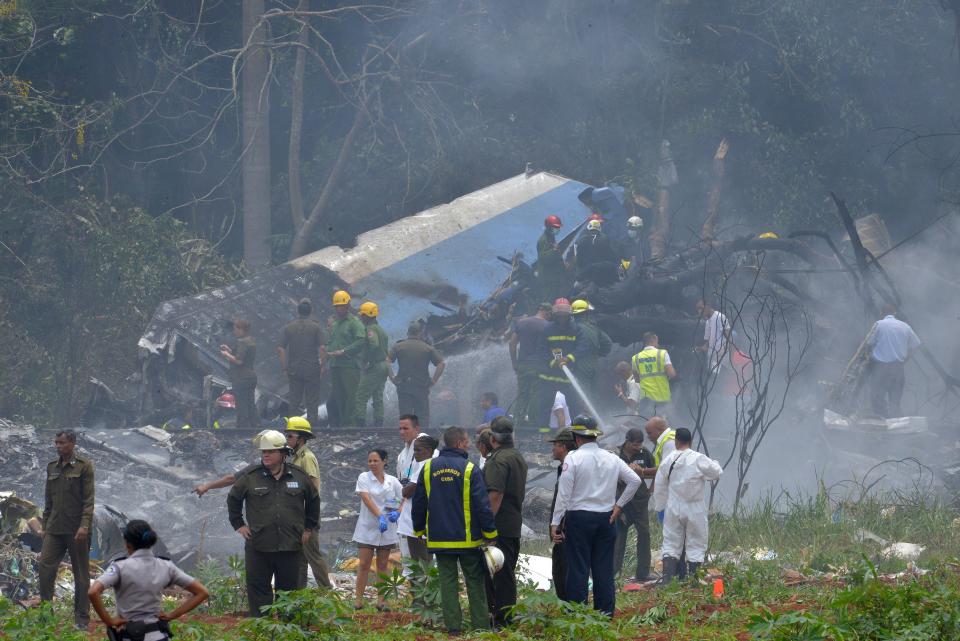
(565, 466)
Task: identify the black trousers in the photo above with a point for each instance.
(246, 405)
(282, 567)
(590, 538)
(559, 557)
(635, 515)
(304, 391)
(886, 388)
(502, 589)
(414, 399)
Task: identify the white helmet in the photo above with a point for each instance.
(493, 558)
(634, 222)
(271, 440)
(594, 225)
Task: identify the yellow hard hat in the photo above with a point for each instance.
(580, 306)
(341, 298)
(271, 440)
(299, 424)
(369, 309)
(625, 264)
(768, 234)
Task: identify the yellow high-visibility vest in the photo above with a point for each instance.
(650, 368)
(671, 435)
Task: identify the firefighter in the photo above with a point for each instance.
(563, 345)
(595, 258)
(552, 274)
(598, 346)
(347, 339)
(373, 359)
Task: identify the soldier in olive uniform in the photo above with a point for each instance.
(413, 357)
(67, 517)
(347, 339)
(299, 353)
(282, 509)
(375, 367)
(243, 378)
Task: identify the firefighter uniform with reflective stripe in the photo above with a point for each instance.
(650, 369)
(569, 341)
(451, 507)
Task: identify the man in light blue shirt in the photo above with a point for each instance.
(893, 341)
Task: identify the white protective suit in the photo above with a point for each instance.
(679, 490)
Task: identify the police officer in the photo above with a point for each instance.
(67, 517)
(586, 498)
(638, 458)
(298, 432)
(299, 354)
(282, 507)
(373, 360)
(347, 340)
(139, 580)
(563, 444)
(413, 357)
(451, 507)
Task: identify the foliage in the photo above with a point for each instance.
(42, 623)
(544, 615)
(425, 592)
(228, 590)
(311, 609)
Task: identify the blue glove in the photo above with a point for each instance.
(660, 515)
(393, 515)
(383, 523)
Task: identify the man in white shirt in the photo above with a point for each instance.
(893, 342)
(560, 413)
(716, 335)
(678, 493)
(408, 471)
(628, 390)
(587, 503)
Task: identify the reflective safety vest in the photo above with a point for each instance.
(451, 488)
(650, 368)
(670, 435)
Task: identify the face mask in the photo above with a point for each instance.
(633, 233)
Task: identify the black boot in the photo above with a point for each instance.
(692, 570)
(670, 566)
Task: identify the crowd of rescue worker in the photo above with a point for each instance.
(444, 506)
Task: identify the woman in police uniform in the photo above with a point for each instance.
(138, 580)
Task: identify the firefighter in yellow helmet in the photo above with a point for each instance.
(373, 360)
(343, 350)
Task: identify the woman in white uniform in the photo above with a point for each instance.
(139, 579)
(381, 496)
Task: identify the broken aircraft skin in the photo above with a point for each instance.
(406, 267)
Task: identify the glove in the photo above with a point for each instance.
(393, 515)
(660, 516)
(383, 523)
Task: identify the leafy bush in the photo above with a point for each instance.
(42, 623)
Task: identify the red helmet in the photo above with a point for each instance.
(595, 217)
(227, 400)
(552, 221)
(561, 301)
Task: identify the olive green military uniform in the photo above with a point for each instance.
(277, 513)
(375, 372)
(598, 345)
(552, 275)
(67, 506)
(349, 335)
(243, 381)
(306, 460)
(301, 342)
(413, 357)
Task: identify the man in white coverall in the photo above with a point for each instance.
(678, 492)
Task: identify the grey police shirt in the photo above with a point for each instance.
(138, 581)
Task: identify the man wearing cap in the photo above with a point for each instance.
(598, 345)
(678, 494)
(412, 379)
(637, 457)
(587, 499)
(299, 352)
(525, 340)
(505, 474)
(373, 359)
(298, 432)
(274, 507)
(563, 345)
(563, 444)
(552, 274)
(347, 339)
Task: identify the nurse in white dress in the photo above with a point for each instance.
(381, 496)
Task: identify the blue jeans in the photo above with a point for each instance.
(590, 541)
